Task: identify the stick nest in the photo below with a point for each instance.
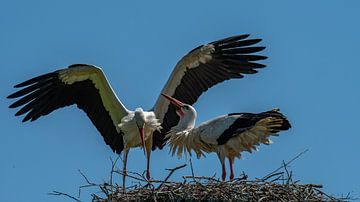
(276, 186)
(210, 189)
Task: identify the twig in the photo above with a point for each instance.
(202, 178)
(330, 197)
(171, 171)
(87, 180)
(289, 174)
(286, 164)
(89, 184)
(57, 193)
(113, 168)
(270, 176)
(132, 176)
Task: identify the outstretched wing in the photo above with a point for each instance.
(202, 68)
(80, 84)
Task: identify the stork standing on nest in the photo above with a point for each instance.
(87, 87)
(227, 135)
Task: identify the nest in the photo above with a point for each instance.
(276, 186)
(210, 189)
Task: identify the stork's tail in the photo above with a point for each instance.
(276, 121)
(273, 120)
(250, 129)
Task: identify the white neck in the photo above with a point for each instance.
(187, 121)
(182, 137)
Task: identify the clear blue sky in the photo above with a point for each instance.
(312, 76)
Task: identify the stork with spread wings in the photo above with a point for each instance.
(87, 87)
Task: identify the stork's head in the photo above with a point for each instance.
(186, 112)
(140, 119)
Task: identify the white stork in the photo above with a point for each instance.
(227, 135)
(87, 87)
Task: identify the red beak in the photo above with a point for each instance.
(174, 101)
(141, 131)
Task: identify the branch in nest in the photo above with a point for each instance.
(57, 193)
(286, 164)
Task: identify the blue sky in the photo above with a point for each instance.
(312, 76)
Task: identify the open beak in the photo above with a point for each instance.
(174, 101)
(141, 131)
(177, 104)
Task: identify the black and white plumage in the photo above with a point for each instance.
(87, 87)
(202, 68)
(227, 135)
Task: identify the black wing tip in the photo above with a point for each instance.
(231, 39)
(243, 54)
(16, 94)
(260, 66)
(37, 79)
(263, 57)
(239, 40)
(26, 83)
(254, 41)
(260, 48)
(276, 113)
(11, 96)
(18, 85)
(286, 124)
(242, 36)
(237, 37)
(255, 57)
(13, 105)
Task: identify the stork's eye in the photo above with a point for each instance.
(186, 107)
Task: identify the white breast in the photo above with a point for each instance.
(131, 132)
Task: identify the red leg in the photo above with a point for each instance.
(223, 176)
(231, 169)
(148, 166)
(126, 152)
